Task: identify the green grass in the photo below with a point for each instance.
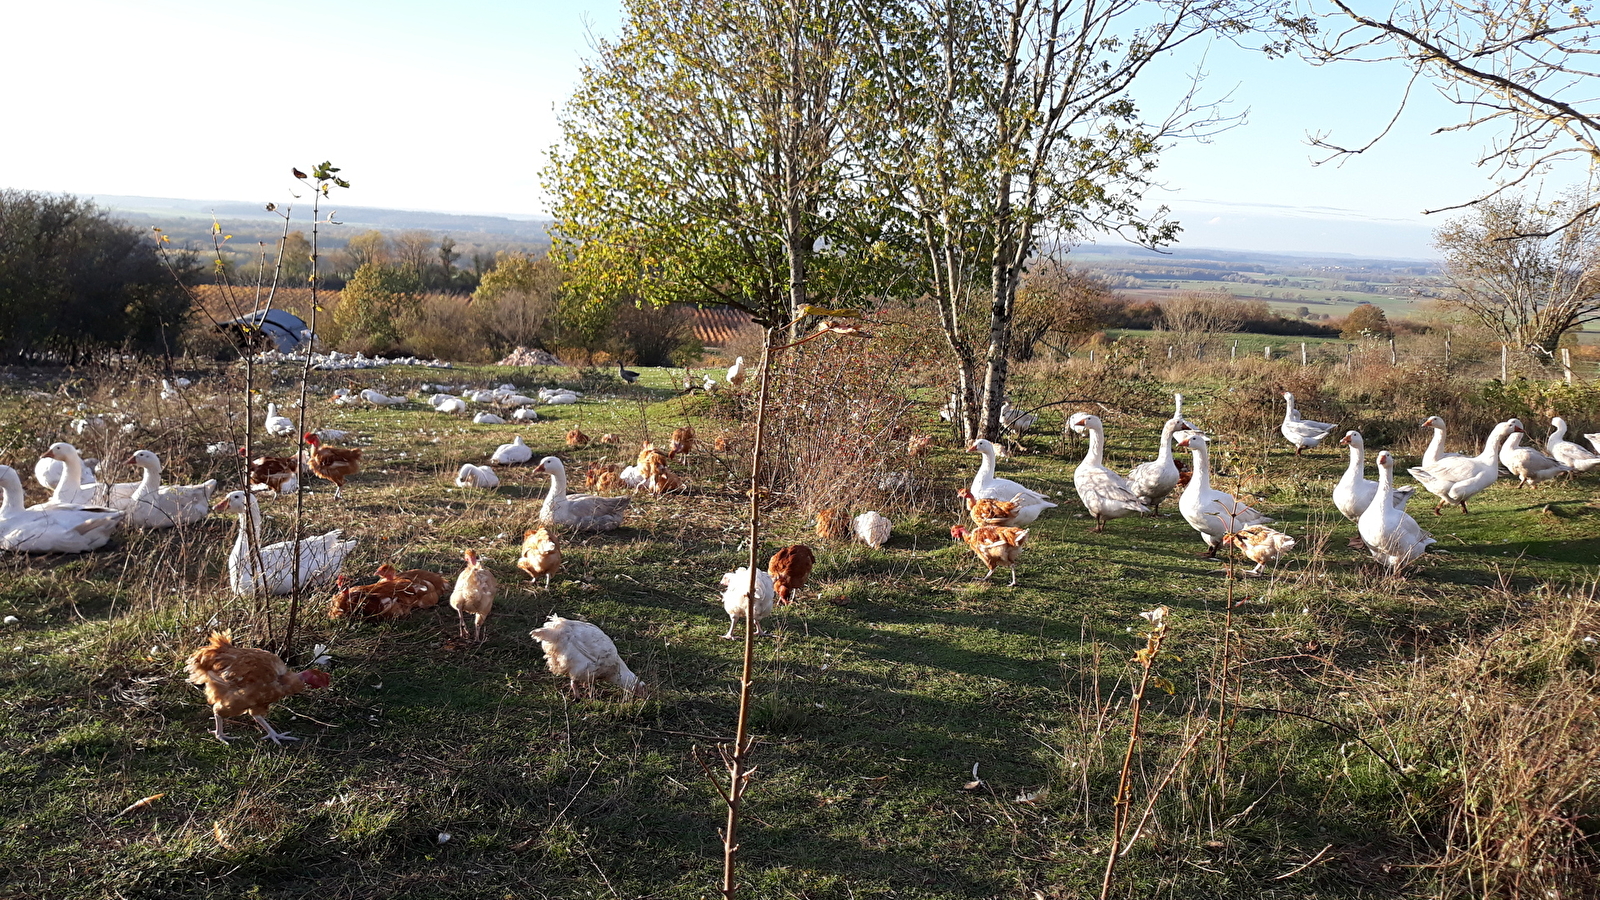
(893, 674)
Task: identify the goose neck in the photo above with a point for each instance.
(986, 468)
(150, 481)
(1202, 466)
(67, 488)
(1358, 459)
(1436, 443)
(1558, 430)
(1491, 444)
(1164, 452)
(12, 502)
(1097, 447)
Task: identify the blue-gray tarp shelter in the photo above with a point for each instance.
(286, 330)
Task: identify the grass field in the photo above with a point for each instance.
(1337, 766)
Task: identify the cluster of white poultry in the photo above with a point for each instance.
(336, 361)
(82, 513)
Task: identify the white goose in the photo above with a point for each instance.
(91, 494)
(1153, 482)
(1105, 494)
(321, 557)
(512, 453)
(50, 530)
(582, 512)
(1529, 465)
(1301, 432)
(1435, 451)
(1211, 512)
(49, 471)
(1391, 535)
(1457, 479)
(278, 426)
(154, 506)
(985, 486)
(471, 476)
(380, 399)
(1565, 451)
(1354, 493)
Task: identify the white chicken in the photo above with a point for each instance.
(471, 476)
(872, 529)
(736, 373)
(487, 418)
(736, 598)
(585, 655)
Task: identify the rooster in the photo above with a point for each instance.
(279, 474)
(332, 463)
(584, 654)
(995, 545)
(474, 594)
(789, 568)
(576, 438)
(989, 512)
(682, 442)
(541, 555)
(243, 680)
(1260, 544)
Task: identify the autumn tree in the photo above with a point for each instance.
(1528, 271)
(414, 252)
(1004, 128)
(1365, 321)
(702, 159)
(373, 304)
(367, 247)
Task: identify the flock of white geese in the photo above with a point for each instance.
(1377, 507)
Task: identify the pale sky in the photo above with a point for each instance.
(451, 107)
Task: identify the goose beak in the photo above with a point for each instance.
(130, 461)
(221, 505)
(540, 469)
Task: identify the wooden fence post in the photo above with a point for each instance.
(1234, 353)
(1566, 364)
(1392, 359)
(1447, 353)
(1302, 353)
(1349, 357)
(1267, 351)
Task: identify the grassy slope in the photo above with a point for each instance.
(893, 674)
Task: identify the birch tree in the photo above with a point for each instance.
(1009, 125)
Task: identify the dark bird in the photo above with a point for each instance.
(628, 375)
(297, 172)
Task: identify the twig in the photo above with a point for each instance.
(1303, 866)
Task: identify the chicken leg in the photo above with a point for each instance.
(273, 735)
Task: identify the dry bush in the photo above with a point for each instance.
(839, 418)
(1504, 732)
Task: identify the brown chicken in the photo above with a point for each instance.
(833, 525)
(541, 554)
(789, 568)
(394, 595)
(725, 441)
(995, 545)
(576, 438)
(1261, 545)
(243, 680)
(609, 438)
(281, 474)
(682, 442)
(649, 455)
(333, 464)
(595, 477)
(918, 445)
(989, 512)
(474, 594)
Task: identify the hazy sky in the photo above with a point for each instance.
(450, 107)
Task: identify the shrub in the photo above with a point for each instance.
(76, 284)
